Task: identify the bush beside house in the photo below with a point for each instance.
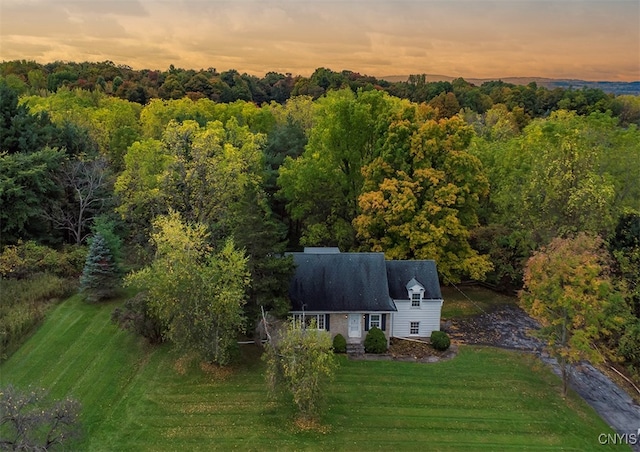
(440, 340)
(376, 341)
(339, 344)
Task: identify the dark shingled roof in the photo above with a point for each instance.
(400, 272)
(340, 282)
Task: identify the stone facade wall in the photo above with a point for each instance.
(339, 324)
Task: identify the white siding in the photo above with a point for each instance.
(428, 315)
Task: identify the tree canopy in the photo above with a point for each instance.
(475, 177)
(196, 292)
(567, 288)
(422, 194)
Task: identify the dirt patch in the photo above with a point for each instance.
(508, 326)
(422, 351)
(215, 371)
(405, 350)
(310, 424)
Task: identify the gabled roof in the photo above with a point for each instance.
(424, 272)
(340, 282)
(413, 283)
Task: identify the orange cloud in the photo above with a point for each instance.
(567, 39)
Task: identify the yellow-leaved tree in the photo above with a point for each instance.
(567, 288)
(300, 363)
(421, 196)
(196, 293)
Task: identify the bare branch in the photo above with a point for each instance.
(85, 182)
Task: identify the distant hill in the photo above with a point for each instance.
(549, 83)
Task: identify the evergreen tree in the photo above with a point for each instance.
(106, 225)
(264, 244)
(99, 278)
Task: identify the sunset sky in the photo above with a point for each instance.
(591, 40)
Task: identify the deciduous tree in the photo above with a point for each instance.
(30, 422)
(85, 185)
(140, 185)
(322, 186)
(563, 175)
(210, 170)
(567, 288)
(197, 293)
(421, 197)
(300, 364)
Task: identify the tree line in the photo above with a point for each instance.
(526, 101)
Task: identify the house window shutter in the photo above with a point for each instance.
(383, 323)
(366, 322)
(326, 321)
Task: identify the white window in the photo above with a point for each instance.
(310, 319)
(415, 300)
(414, 328)
(375, 321)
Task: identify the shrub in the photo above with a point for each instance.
(27, 259)
(300, 365)
(69, 262)
(339, 344)
(136, 317)
(440, 340)
(376, 341)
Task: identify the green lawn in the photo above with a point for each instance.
(138, 398)
(466, 301)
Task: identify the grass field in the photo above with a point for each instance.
(465, 301)
(137, 398)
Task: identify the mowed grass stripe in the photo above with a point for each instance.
(53, 335)
(134, 398)
(190, 408)
(494, 394)
(85, 357)
(68, 351)
(78, 353)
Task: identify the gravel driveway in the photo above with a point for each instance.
(507, 327)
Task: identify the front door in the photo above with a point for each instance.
(355, 325)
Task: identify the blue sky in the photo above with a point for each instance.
(593, 40)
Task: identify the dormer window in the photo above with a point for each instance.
(416, 293)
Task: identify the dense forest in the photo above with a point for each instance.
(478, 178)
(29, 77)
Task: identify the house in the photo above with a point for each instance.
(350, 293)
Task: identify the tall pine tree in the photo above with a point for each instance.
(100, 276)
